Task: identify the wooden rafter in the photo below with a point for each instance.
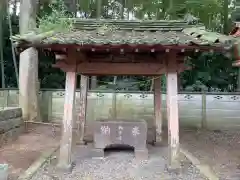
(146, 48)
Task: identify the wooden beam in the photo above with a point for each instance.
(126, 47)
(83, 107)
(172, 113)
(70, 56)
(64, 66)
(157, 109)
(114, 68)
(60, 57)
(110, 68)
(65, 161)
(121, 68)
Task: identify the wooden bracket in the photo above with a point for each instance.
(236, 63)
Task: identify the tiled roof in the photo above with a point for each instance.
(120, 32)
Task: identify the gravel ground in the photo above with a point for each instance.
(120, 165)
(219, 149)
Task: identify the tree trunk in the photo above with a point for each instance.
(123, 3)
(71, 6)
(225, 16)
(2, 17)
(15, 8)
(170, 9)
(12, 46)
(164, 8)
(99, 8)
(152, 83)
(28, 65)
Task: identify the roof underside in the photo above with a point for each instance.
(110, 32)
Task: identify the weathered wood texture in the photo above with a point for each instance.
(148, 69)
(120, 68)
(157, 109)
(11, 124)
(173, 118)
(204, 111)
(82, 106)
(65, 161)
(46, 106)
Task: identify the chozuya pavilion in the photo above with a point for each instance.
(118, 47)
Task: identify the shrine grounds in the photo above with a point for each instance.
(216, 149)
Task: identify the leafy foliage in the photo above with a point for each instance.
(211, 72)
(57, 20)
(10, 76)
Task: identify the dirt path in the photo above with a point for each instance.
(23, 152)
(219, 149)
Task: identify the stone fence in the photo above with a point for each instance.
(212, 110)
(11, 124)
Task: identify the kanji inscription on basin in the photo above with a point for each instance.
(105, 130)
(121, 132)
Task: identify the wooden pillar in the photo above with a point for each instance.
(93, 82)
(114, 100)
(172, 114)
(157, 110)
(204, 111)
(83, 106)
(65, 161)
(114, 105)
(238, 80)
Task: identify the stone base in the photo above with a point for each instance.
(81, 143)
(141, 154)
(97, 153)
(65, 168)
(174, 166)
(158, 141)
(173, 158)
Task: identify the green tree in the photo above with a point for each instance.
(211, 71)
